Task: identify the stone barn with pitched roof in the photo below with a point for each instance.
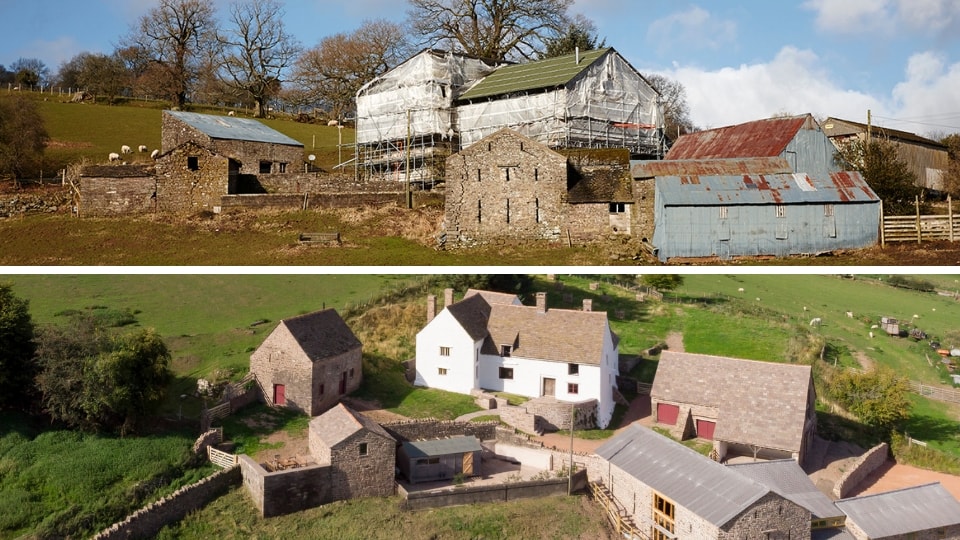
(759, 409)
(924, 512)
(360, 453)
(110, 190)
(308, 363)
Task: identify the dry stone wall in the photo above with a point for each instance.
(112, 196)
(418, 430)
(861, 468)
(284, 492)
(147, 522)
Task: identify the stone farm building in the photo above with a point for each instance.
(440, 459)
(927, 159)
(108, 190)
(308, 362)
(746, 407)
(437, 103)
(671, 491)
(490, 341)
(924, 512)
(508, 186)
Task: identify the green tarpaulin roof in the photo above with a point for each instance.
(548, 73)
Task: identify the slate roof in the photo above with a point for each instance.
(786, 478)
(709, 167)
(441, 447)
(706, 488)
(761, 403)
(544, 74)
(493, 297)
(233, 128)
(340, 422)
(559, 335)
(116, 171)
(760, 138)
(903, 511)
(321, 334)
(792, 188)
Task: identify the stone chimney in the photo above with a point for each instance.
(588, 304)
(431, 307)
(541, 302)
(447, 297)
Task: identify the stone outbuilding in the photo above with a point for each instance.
(671, 491)
(308, 363)
(921, 512)
(509, 186)
(193, 178)
(360, 453)
(111, 190)
(757, 409)
(256, 148)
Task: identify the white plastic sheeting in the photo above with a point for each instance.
(608, 105)
(417, 95)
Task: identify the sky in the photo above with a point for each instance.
(739, 61)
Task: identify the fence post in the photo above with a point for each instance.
(883, 227)
(919, 234)
(950, 216)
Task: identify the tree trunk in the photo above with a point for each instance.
(259, 110)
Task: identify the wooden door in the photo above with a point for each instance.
(549, 387)
(468, 464)
(279, 395)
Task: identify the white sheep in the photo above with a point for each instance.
(871, 335)
(850, 314)
(231, 113)
(142, 148)
(114, 156)
(126, 150)
(155, 154)
(815, 321)
(333, 123)
(874, 326)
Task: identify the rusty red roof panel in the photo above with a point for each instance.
(761, 138)
(709, 167)
(844, 187)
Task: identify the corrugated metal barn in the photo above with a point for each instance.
(762, 214)
(440, 459)
(798, 139)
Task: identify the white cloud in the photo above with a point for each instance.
(793, 82)
(695, 27)
(858, 17)
(928, 95)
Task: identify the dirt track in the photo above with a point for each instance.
(893, 476)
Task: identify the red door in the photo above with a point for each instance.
(705, 429)
(279, 397)
(667, 414)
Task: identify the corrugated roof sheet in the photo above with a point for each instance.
(799, 188)
(549, 73)
(709, 167)
(760, 403)
(321, 334)
(903, 511)
(760, 138)
(695, 482)
(442, 447)
(233, 128)
(785, 477)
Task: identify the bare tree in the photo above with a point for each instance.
(332, 72)
(170, 38)
(492, 29)
(96, 72)
(951, 177)
(256, 51)
(22, 137)
(29, 72)
(676, 112)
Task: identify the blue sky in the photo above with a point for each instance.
(739, 61)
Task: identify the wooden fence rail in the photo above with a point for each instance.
(917, 228)
(220, 458)
(937, 393)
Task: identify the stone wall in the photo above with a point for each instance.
(555, 415)
(419, 430)
(112, 196)
(353, 474)
(488, 493)
(860, 469)
(643, 219)
(191, 179)
(35, 202)
(147, 522)
(284, 492)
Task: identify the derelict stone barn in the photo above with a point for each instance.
(106, 190)
(193, 178)
(509, 186)
(308, 362)
(254, 147)
(360, 453)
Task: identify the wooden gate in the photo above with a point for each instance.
(468, 463)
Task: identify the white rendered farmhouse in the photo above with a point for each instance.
(491, 341)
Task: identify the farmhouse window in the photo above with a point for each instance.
(266, 167)
(663, 518)
(193, 163)
(363, 449)
(444, 351)
(723, 212)
(618, 208)
(828, 210)
(506, 373)
(573, 369)
(573, 388)
(505, 350)
(441, 371)
(283, 167)
(781, 211)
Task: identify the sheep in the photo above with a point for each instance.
(874, 326)
(815, 321)
(332, 123)
(850, 314)
(154, 154)
(142, 148)
(126, 149)
(114, 156)
(231, 113)
(740, 290)
(871, 335)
